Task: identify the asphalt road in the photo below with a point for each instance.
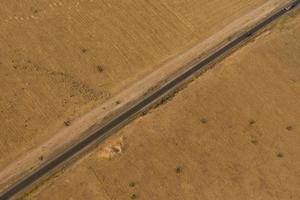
(136, 109)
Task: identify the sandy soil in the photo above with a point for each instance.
(231, 134)
(79, 127)
(60, 59)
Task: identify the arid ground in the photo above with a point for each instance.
(61, 59)
(233, 133)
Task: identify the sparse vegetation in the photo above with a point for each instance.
(178, 170)
(253, 141)
(280, 155)
(131, 184)
(99, 68)
(252, 121)
(67, 123)
(289, 128)
(197, 151)
(203, 120)
(41, 158)
(83, 50)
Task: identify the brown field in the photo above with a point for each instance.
(61, 59)
(233, 133)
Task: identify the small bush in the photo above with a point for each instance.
(252, 121)
(203, 120)
(67, 123)
(178, 170)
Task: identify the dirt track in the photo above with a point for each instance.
(241, 142)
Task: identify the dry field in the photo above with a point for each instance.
(233, 133)
(61, 59)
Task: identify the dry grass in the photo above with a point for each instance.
(261, 82)
(49, 50)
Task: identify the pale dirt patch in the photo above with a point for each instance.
(246, 149)
(113, 148)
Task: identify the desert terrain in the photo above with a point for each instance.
(61, 59)
(233, 133)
